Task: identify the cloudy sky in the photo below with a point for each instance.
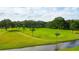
(38, 13)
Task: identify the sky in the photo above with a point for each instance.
(38, 13)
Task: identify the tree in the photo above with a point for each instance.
(32, 29)
(57, 34)
(29, 23)
(23, 26)
(58, 23)
(40, 24)
(6, 23)
(73, 24)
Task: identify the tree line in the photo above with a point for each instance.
(56, 23)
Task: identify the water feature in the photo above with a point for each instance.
(70, 44)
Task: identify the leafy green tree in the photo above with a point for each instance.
(58, 23)
(40, 24)
(23, 26)
(73, 24)
(6, 23)
(57, 34)
(32, 29)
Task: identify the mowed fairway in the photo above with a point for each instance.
(41, 36)
(49, 34)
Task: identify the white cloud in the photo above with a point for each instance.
(38, 13)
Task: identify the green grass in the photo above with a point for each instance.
(71, 49)
(49, 34)
(42, 36)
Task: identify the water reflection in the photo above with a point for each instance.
(69, 44)
(50, 47)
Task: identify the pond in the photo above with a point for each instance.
(49, 47)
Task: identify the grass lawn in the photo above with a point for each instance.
(71, 49)
(49, 34)
(42, 36)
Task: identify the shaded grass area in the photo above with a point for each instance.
(14, 38)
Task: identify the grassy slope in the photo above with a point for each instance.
(49, 34)
(41, 36)
(16, 40)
